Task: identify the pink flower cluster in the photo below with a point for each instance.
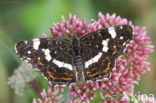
(50, 96)
(74, 25)
(128, 68)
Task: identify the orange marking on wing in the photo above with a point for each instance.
(91, 70)
(57, 78)
(88, 72)
(94, 74)
(40, 63)
(108, 66)
(114, 52)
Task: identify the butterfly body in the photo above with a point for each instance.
(77, 53)
(93, 55)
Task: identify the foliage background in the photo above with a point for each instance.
(25, 19)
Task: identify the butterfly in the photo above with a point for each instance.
(92, 55)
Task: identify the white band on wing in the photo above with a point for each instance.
(47, 54)
(112, 32)
(93, 60)
(36, 43)
(62, 64)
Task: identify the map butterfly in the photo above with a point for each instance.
(92, 55)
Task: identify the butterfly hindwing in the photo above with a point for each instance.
(98, 67)
(52, 56)
(102, 47)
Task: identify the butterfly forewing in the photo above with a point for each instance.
(52, 56)
(100, 48)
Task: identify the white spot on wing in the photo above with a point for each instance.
(25, 42)
(55, 52)
(121, 37)
(112, 32)
(105, 49)
(36, 43)
(97, 46)
(105, 45)
(28, 58)
(46, 51)
(29, 52)
(99, 33)
(48, 57)
(124, 43)
(93, 60)
(105, 42)
(62, 64)
(47, 54)
(121, 27)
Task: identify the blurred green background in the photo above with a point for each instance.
(25, 19)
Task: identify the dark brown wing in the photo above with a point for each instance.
(100, 48)
(52, 56)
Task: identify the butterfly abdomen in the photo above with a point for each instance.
(78, 62)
